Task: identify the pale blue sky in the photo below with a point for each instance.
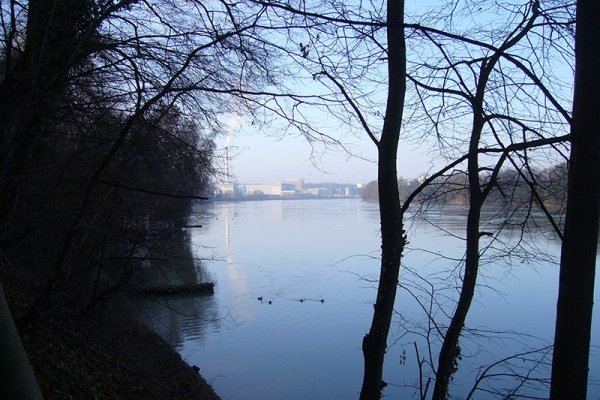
(258, 159)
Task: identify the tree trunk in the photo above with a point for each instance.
(450, 350)
(579, 247)
(392, 236)
(30, 91)
(16, 375)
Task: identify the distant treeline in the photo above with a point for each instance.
(548, 185)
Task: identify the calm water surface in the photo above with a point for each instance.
(315, 261)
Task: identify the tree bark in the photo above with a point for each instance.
(579, 246)
(450, 348)
(392, 235)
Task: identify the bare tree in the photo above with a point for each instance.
(450, 78)
(96, 130)
(467, 75)
(110, 90)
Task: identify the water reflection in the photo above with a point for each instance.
(185, 314)
(284, 251)
(236, 275)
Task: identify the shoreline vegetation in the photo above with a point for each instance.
(511, 186)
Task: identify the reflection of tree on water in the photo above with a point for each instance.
(515, 240)
(172, 261)
(185, 315)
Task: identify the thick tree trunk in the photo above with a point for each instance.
(579, 247)
(16, 376)
(392, 236)
(31, 89)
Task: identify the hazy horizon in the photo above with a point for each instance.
(259, 159)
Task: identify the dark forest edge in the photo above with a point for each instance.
(93, 160)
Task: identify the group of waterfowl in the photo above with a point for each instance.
(260, 298)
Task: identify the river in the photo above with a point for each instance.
(294, 288)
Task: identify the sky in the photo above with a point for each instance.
(256, 158)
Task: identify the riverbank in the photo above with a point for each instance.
(102, 353)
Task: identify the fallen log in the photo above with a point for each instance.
(203, 288)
